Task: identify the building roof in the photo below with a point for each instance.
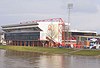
(32, 29)
(21, 24)
(83, 31)
(24, 27)
(20, 27)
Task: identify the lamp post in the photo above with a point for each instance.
(70, 6)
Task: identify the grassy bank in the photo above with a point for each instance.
(87, 53)
(53, 50)
(38, 49)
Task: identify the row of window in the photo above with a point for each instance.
(83, 34)
(22, 36)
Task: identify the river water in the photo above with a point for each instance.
(15, 59)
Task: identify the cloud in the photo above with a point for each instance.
(86, 21)
(84, 15)
(83, 12)
(30, 6)
(17, 18)
(82, 6)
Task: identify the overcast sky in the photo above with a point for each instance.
(85, 14)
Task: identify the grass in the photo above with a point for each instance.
(82, 52)
(87, 53)
(38, 49)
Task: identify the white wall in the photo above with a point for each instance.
(44, 27)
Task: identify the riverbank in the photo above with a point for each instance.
(82, 52)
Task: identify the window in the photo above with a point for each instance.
(22, 36)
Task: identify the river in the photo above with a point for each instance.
(15, 59)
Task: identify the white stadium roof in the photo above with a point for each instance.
(83, 31)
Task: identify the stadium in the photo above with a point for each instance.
(48, 32)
